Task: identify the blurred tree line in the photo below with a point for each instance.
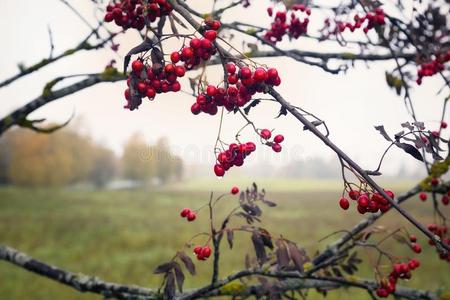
(68, 157)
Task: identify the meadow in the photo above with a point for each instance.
(122, 235)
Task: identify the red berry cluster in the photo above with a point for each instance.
(280, 25)
(432, 67)
(242, 85)
(202, 253)
(199, 49)
(135, 13)
(442, 233)
(277, 140)
(367, 202)
(375, 18)
(399, 271)
(146, 81)
(188, 214)
(234, 156)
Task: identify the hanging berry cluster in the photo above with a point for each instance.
(367, 202)
(442, 233)
(135, 13)
(399, 271)
(149, 80)
(266, 134)
(433, 67)
(367, 22)
(241, 86)
(199, 49)
(188, 214)
(280, 26)
(202, 253)
(233, 156)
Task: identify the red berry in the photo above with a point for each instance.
(260, 74)
(234, 190)
(412, 238)
(245, 73)
(231, 68)
(185, 212)
(180, 71)
(272, 73)
(279, 138)
(206, 251)
(137, 66)
(187, 53)
(232, 79)
(445, 200)
(195, 43)
(210, 35)
(206, 44)
(219, 170)
(265, 134)
(198, 249)
(191, 216)
(169, 68)
(443, 124)
(276, 147)
(109, 17)
(175, 57)
(416, 247)
(251, 146)
(343, 203)
(211, 90)
(423, 196)
(353, 194)
(382, 292)
(195, 108)
(150, 93)
(216, 25)
(363, 201)
(434, 181)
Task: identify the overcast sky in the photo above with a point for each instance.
(351, 103)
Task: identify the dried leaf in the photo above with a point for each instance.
(411, 150)
(169, 290)
(254, 103)
(260, 251)
(187, 261)
(164, 268)
(296, 256)
(230, 235)
(179, 276)
(282, 255)
(383, 132)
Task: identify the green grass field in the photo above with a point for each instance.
(122, 235)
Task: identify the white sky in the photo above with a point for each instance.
(351, 104)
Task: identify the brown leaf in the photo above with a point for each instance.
(164, 268)
(187, 261)
(258, 244)
(179, 276)
(282, 254)
(169, 290)
(230, 235)
(296, 255)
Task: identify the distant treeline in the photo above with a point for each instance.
(68, 157)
